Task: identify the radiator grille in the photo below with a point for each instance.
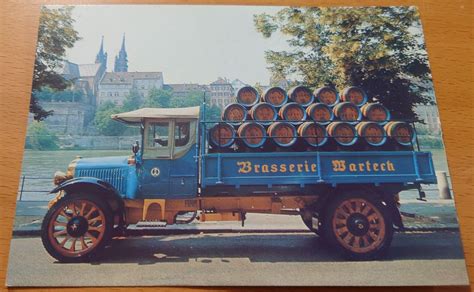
(117, 177)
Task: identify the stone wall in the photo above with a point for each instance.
(98, 142)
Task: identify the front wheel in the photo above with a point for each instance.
(77, 228)
(359, 225)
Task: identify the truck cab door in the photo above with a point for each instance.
(169, 165)
(153, 172)
(183, 167)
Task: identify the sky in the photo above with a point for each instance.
(189, 44)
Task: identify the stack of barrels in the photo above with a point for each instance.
(302, 120)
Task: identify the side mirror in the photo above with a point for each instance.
(135, 147)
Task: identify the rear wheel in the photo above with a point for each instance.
(359, 225)
(77, 228)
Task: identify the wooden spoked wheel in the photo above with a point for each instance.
(360, 226)
(76, 228)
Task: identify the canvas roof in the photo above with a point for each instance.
(136, 116)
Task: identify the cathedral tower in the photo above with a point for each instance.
(101, 57)
(121, 61)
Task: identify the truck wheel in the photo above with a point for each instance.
(77, 228)
(359, 225)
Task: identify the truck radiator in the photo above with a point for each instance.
(117, 177)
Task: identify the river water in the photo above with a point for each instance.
(39, 167)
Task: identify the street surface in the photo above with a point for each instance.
(289, 259)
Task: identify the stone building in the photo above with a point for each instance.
(221, 93)
(115, 86)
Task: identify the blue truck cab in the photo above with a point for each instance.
(348, 198)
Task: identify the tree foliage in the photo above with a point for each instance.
(377, 48)
(103, 121)
(55, 34)
(40, 138)
(68, 95)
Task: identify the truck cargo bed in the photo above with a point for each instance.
(308, 168)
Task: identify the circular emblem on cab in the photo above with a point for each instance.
(155, 171)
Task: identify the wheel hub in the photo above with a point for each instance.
(357, 224)
(77, 226)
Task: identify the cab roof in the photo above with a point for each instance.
(136, 116)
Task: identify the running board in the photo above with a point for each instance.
(150, 224)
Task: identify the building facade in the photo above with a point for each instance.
(221, 93)
(116, 86)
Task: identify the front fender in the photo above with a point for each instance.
(79, 182)
(93, 186)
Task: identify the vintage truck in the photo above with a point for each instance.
(348, 198)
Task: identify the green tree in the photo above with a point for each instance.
(377, 48)
(68, 95)
(104, 122)
(213, 113)
(55, 34)
(158, 98)
(193, 98)
(40, 138)
(132, 101)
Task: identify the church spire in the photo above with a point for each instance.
(121, 61)
(101, 57)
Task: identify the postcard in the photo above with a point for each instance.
(200, 145)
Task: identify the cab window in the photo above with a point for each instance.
(181, 134)
(157, 139)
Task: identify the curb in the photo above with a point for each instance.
(145, 232)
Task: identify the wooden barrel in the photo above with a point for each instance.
(371, 132)
(375, 112)
(320, 112)
(400, 132)
(343, 133)
(234, 114)
(275, 96)
(314, 134)
(354, 94)
(247, 96)
(301, 95)
(327, 95)
(264, 113)
(283, 133)
(347, 112)
(292, 113)
(252, 134)
(222, 135)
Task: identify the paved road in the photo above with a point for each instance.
(243, 259)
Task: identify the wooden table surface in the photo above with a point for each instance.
(449, 39)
